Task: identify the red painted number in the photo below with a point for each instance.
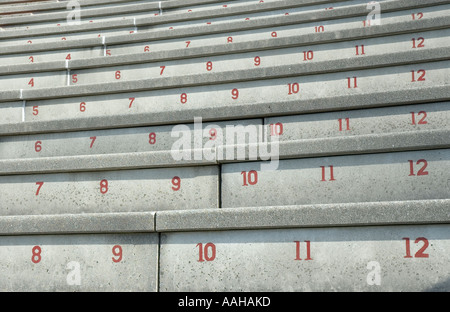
(276, 129)
(92, 141)
(35, 110)
(104, 186)
(331, 174)
(212, 134)
(207, 253)
(297, 250)
(176, 182)
(257, 60)
(209, 66)
(349, 82)
(347, 122)
(251, 177)
(319, 29)
(294, 88)
(235, 94)
(131, 102)
(421, 121)
(417, 16)
(39, 184)
(82, 107)
(118, 75)
(421, 171)
(418, 43)
(36, 254)
(152, 138)
(38, 146)
(421, 252)
(183, 98)
(308, 55)
(360, 50)
(421, 77)
(117, 252)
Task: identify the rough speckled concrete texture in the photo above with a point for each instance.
(318, 259)
(204, 145)
(109, 262)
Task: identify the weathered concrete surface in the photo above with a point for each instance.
(411, 127)
(399, 176)
(35, 80)
(335, 259)
(306, 216)
(11, 112)
(115, 141)
(322, 92)
(337, 83)
(144, 147)
(86, 223)
(191, 73)
(342, 19)
(212, 46)
(111, 262)
(363, 206)
(113, 110)
(110, 191)
(408, 118)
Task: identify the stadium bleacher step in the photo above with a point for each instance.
(204, 145)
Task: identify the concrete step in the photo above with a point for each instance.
(390, 244)
(360, 131)
(432, 116)
(40, 7)
(96, 263)
(114, 72)
(164, 15)
(110, 191)
(143, 147)
(337, 19)
(21, 4)
(79, 58)
(237, 94)
(378, 213)
(59, 121)
(141, 162)
(109, 11)
(409, 127)
(345, 259)
(336, 247)
(322, 180)
(341, 179)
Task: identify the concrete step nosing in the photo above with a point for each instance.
(326, 215)
(147, 36)
(255, 74)
(238, 111)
